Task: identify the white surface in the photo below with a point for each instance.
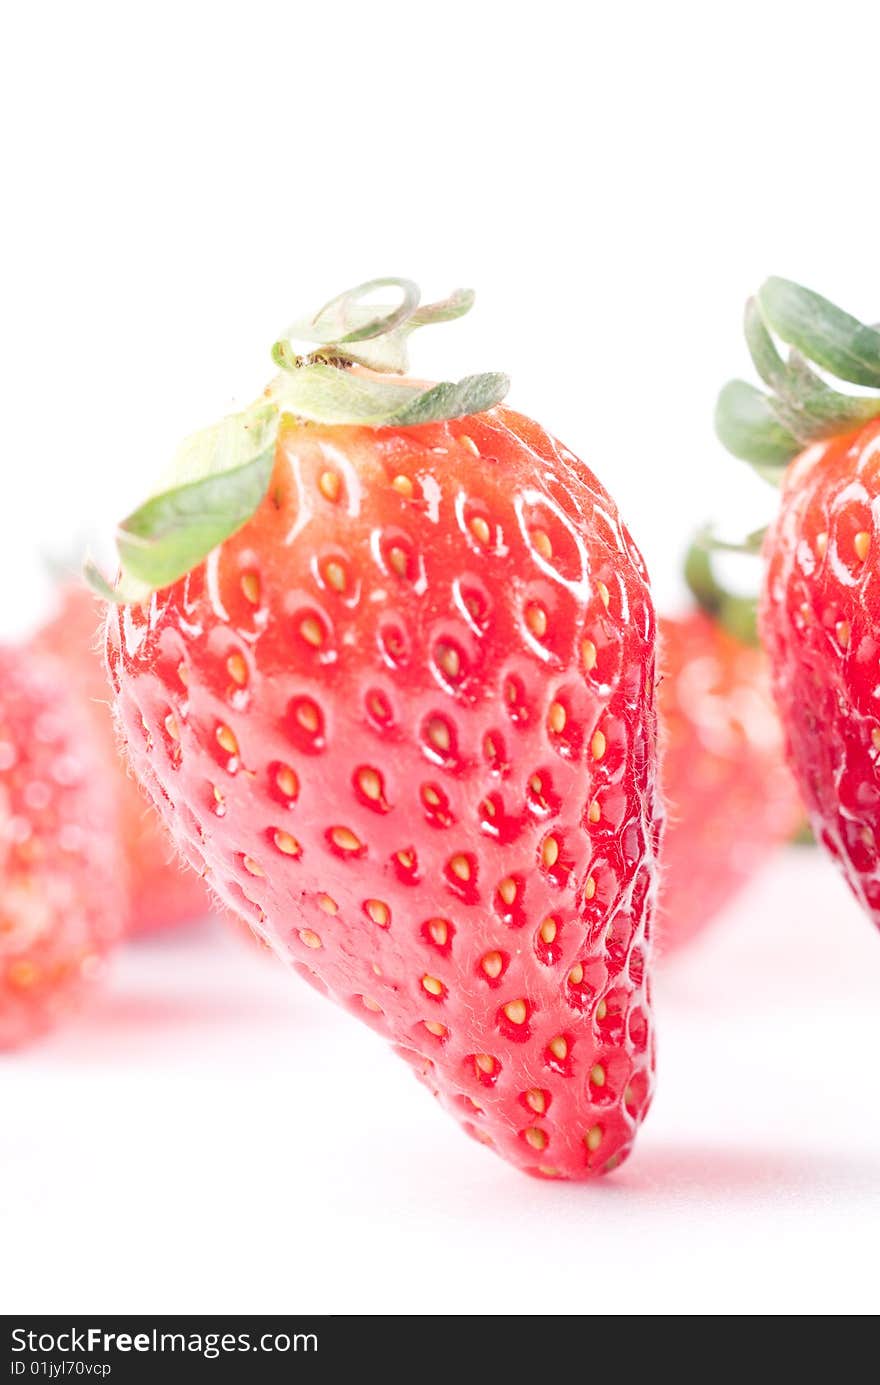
(212, 1137)
(613, 180)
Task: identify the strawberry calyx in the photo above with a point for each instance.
(768, 429)
(221, 474)
(735, 613)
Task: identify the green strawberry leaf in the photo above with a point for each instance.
(748, 427)
(802, 402)
(822, 332)
(325, 394)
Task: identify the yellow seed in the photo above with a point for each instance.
(312, 631)
(490, 749)
(251, 866)
(219, 797)
(430, 795)
(601, 1010)
(345, 839)
(287, 844)
(406, 858)
(327, 904)
(507, 889)
(593, 813)
(548, 931)
(379, 912)
(842, 632)
(548, 1171)
(550, 852)
(369, 784)
(629, 1096)
(604, 596)
(404, 486)
(556, 717)
(438, 734)
(449, 660)
(397, 560)
(369, 1004)
(862, 543)
(484, 1062)
(541, 543)
(598, 745)
(432, 985)
(171, 726)
(307, 716)
(588, 654)
(488, 809)
(460, 867)
(480, 529)
(536, 1138)
(593, 1138)
(536, 1099)
(226, 740)
(237, 669)
(516, 1011)
(590, 887)
(433, 1027)
(334, 575)
(287, 781)
(250, 586)
(183, 673)
(439, 931)
(23, 974)
(597, 1075)
(559, 1047)
(536, 620)
(492, 964)
(310, 938)
(576, 975)
(821, 544)
(329, 484)
(875, 737)
(469, 443)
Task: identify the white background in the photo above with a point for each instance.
(179, 182)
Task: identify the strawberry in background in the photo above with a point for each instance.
(161, 890)
(820, 607)
(731, 803)
(395, 697)
(61, 901)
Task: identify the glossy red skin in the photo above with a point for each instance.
(730, 800)
(380, 636)
(820, 622)
(161, 891)
(60, 903)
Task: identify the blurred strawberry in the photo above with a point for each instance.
(162, 890)
(731, 802)
(61, 903)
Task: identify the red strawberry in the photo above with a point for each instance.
(60, 906)
(403, 718)
(161, 891)
(820, 617)
(730, 801)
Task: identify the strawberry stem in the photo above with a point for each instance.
(735, 613)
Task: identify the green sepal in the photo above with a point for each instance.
(805, 406)
(373, 336)
(325, 394)
(822, 332)
(736, 614)
(220, 475)
(747, 425)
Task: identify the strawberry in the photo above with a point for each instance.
(60, 905)
(820, 612)
(730, 800)
(385, 663)
(161, 891)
